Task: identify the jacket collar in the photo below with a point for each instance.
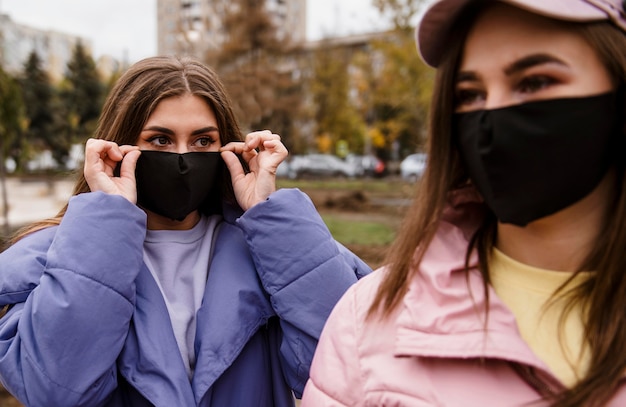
(150, 360)
(234, 289)
(443, 313)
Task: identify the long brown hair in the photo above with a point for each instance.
(135, 96)
(603, 296)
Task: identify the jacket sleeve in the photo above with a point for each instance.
(59, 346)
(335, 374)
(303, 269)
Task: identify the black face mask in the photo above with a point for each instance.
(532, 160)
(174, 185)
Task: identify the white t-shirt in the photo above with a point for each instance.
(179, 262)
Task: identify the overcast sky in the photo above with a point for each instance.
(120, 27)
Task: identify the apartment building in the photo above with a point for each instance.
(54, 48)
(193, 27)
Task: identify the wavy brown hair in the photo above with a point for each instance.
(135, 96)
(603, 296)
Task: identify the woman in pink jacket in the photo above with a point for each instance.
(506, 286)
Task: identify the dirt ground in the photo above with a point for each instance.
(358, 206)
(350, 205)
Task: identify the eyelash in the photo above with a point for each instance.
(153, 139)
(541, 80)
(156, 140)
(466, 96)
(527, 85)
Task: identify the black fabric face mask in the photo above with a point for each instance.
(532, 160)
(174, 185)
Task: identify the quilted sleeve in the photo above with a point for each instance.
(303, 269)
(58, 345)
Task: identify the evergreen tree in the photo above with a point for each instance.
(38, 94)
(11, 123)
(82, 94)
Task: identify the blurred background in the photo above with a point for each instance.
(339, 80)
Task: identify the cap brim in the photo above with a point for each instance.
(435, 25)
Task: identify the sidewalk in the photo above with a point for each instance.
(31, 200)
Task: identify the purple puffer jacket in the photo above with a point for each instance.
(87, 325)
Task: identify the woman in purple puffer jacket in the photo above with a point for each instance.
(174, 276)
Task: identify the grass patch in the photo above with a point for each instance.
(361, 233)
(388, 186)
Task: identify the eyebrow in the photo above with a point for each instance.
(515, 67)
(530, 61)
(167, 131)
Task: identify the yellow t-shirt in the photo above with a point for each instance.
(525, 290)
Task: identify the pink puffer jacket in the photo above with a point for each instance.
(434, 349)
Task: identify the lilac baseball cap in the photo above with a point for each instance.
(440, 16)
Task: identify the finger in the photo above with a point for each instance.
(274, 138)
(249, 155)
(110, 163)
(125, 149)
(129, 163)
(240, 149)
(97, 153)
(232, 163)
(252, 142)
(236, 147)
(265, 135)
(258, 133)
(255, 139)
(107, 149)
(274, 145)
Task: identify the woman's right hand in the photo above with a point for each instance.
(101, 158)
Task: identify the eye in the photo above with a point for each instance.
(535, 83)
(204, 141)
(159, 140)
(466, 98)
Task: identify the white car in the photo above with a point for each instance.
(321, 165)
(413, 166)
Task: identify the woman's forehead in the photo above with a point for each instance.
(503, 34)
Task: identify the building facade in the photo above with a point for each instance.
(54, 48)
(193, 27)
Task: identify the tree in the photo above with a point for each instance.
(38, 95)
(401, 85)
(335, 113)
(82, 93)
(11, 123)
(401, 12)
(261, 81)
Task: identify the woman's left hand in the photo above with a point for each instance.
(263, 151)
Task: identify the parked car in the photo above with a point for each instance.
(413, 166)
(283, 170)
(374, 166)
(367, 165)
(321, 165)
